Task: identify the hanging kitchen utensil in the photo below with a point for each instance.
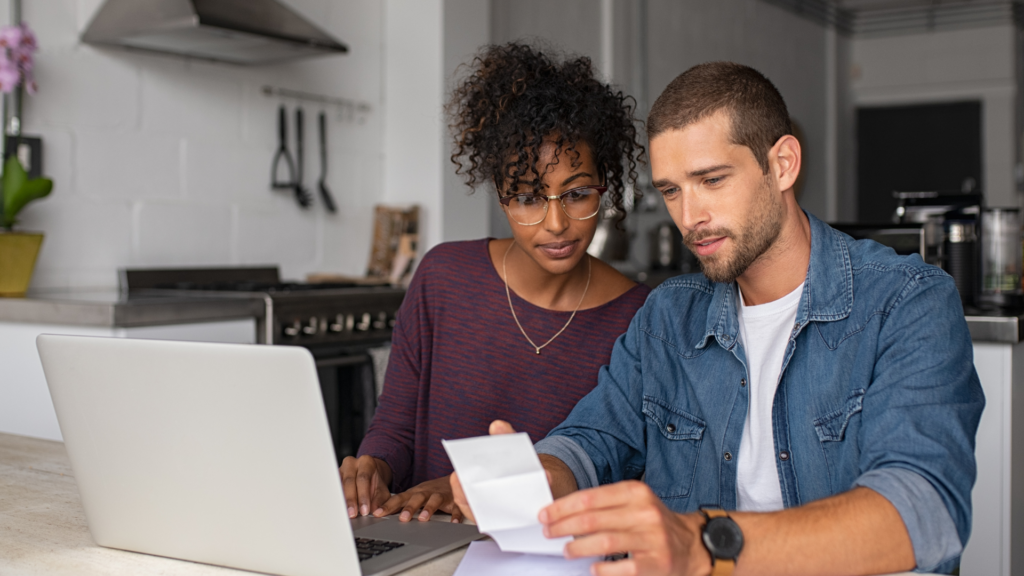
(302, 196)
(282, 155)
(325, 194)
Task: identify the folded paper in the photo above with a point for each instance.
(485, 558)
(506, 487)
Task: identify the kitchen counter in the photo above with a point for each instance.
(43, 528)
(25, 406)
(1005, 329)
(111, 309)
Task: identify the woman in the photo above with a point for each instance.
(515, 328)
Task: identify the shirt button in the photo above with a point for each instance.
(670, 428)
(728, 456)
(743, 382)
(783, 455)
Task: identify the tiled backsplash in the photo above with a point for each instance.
(164, 161)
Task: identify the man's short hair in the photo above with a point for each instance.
(758, 112)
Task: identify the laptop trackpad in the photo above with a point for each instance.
(430, 534)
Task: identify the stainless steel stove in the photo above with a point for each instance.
(338, 322)
(309, 315)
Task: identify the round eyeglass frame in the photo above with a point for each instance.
(505, 200)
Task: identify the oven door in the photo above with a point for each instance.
(348, 383)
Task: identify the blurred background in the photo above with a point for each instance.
(165, 160)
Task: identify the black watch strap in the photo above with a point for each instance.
(723, 539)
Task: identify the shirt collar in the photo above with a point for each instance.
(827, 295)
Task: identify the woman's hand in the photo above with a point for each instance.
(365, 481)
(427, 498)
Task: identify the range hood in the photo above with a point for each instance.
(235, 31)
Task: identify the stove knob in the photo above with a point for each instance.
(311, 328)
(391, 322)
(338, 325)
(381, 322)
(293, 330)
(350, 322)
(365, 322)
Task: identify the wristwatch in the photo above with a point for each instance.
(723, 539)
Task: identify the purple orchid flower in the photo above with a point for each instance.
(10, 77)
(22, 58)
(17, 46)
(10, 36)
(28, 38)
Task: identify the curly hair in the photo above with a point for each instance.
(516, 98)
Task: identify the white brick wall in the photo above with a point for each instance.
(163, 161)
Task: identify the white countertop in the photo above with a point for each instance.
(109, 308)
(43, 529)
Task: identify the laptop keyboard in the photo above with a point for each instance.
(368, 548)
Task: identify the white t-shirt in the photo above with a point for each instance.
(765, 331)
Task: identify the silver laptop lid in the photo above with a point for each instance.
(215, 453)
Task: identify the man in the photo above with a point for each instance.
(819, 389)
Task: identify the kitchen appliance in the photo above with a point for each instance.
(905, 239)
(932, 209)
(337, 322)
(667, 251)
(1001, 257)
(611, 240)
(233, 31)
(951, 225)
(961, 257)
(665, 247)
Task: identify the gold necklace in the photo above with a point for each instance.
(508, 294)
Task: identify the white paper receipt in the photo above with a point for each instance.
(485, 559)
(506, 486)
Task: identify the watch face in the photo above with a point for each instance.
(723, 538)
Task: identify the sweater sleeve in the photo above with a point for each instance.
(391, 435)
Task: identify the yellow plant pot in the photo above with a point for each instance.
(18, 252)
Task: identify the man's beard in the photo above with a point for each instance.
(763, 228)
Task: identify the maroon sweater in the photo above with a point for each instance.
(458, 361)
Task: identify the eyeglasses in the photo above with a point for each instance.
(579, 204)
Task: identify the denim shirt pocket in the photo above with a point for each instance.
(840, 457)
(672, 451)
(832, 426)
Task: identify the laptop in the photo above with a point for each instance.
(221, 454)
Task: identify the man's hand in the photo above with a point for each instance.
(430, 496)
(628, 517)
(365, 481)
(497, 427)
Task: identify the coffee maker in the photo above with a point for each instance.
(956, 240)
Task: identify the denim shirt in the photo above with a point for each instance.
(878, 389)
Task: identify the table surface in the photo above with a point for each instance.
(43, 528)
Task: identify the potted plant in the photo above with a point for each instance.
(18, 250)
